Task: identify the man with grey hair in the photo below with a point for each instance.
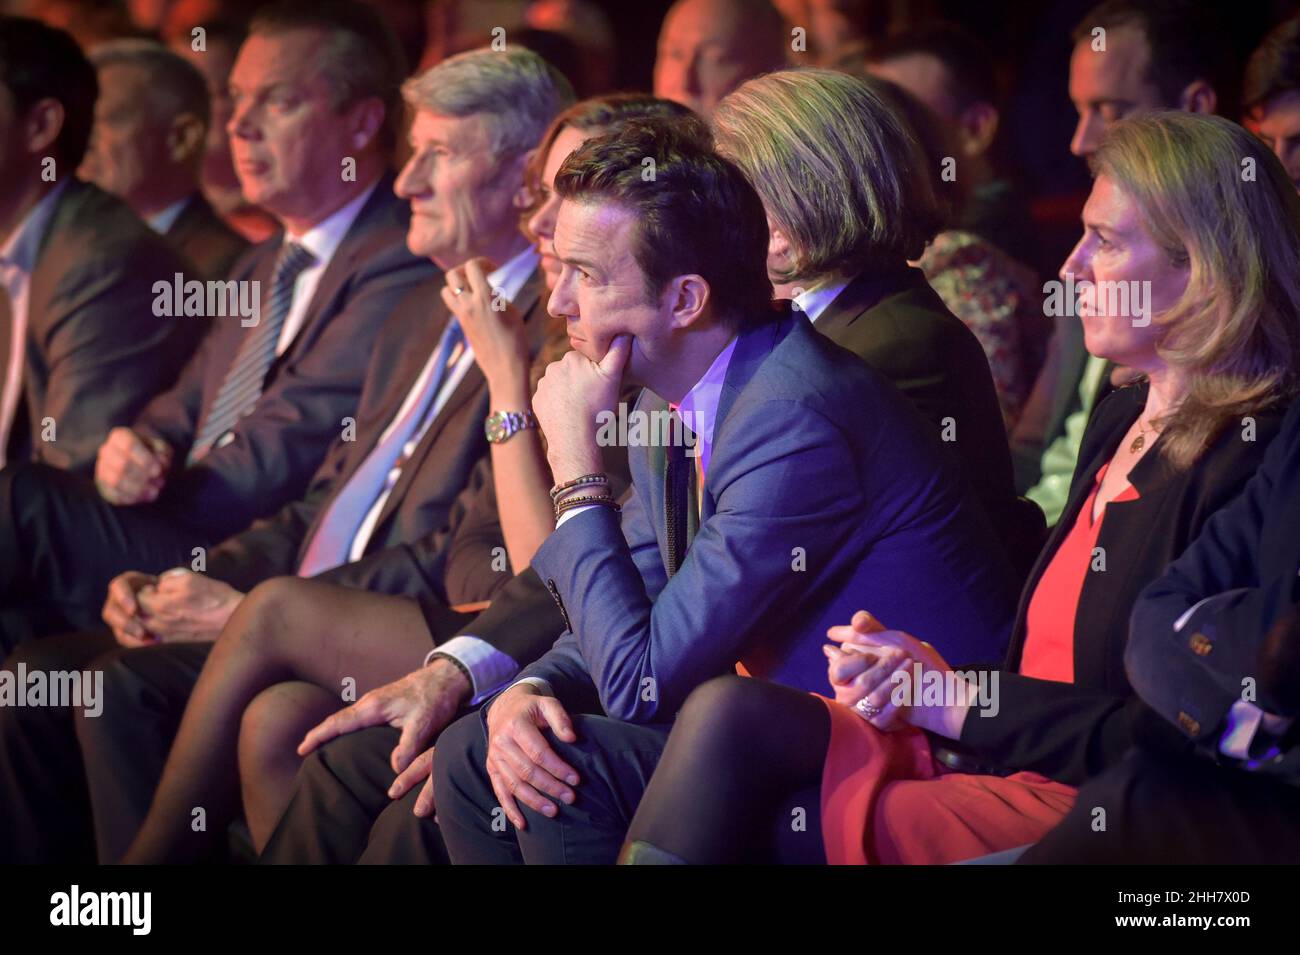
(375, 514)
(147, 147)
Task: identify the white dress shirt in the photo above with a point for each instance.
(164, 219)
(321, 240)
(507, 281)
(17, 262)
(488, 667)
(812, 302)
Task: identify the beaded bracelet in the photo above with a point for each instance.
(604, 500)
(586, 480)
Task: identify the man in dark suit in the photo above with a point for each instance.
(1213, 650)
(372, 512)
(748, 558)
(81, 347)
(147, 147)
(253, 412)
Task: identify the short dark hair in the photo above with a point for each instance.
(362, 58)
(42, 62)
(1186, 39)
(698, 214)
(972, 77)
(1274, 67)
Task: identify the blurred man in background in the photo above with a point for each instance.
(147, 147)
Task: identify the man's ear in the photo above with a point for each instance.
(1198, 97)
(367, 118)
(688, 297)
(42, 126)
(978, 128)
(186, 139)
(780, 253)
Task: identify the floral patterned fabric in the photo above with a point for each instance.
(998, 299)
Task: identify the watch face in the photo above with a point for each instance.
(496, 427)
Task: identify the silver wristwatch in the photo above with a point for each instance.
(501, 426)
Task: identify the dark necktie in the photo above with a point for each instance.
(679, 481)
(247, 373)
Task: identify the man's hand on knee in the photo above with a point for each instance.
(520, 762)
(420, 704)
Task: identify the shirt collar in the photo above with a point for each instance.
(509, 279)
(812, 302)
(699, 409)
(24, 243)
(164, 219)
(323, 239)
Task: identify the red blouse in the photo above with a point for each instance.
(1049, 624)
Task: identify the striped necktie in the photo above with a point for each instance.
(331, 541)
(247, 373)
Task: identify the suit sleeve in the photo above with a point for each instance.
(1196, 632)
(173, 415)
(280, 444)
(269, 548)
(106, 351)
(463, 562)
(1062, 731)
(790, 481)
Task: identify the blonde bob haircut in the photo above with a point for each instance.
(840, 173)
(1215, 199)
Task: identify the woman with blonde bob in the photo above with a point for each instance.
(1188, 271)
(850, 200)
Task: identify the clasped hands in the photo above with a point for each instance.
(863, 668)
(177, 606)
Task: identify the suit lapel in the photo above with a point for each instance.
(340, 269)
(754, 345)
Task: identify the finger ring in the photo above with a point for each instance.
(867, 708)
(457, 290)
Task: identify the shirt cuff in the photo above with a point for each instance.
(488, 667)
(1251, 734)
(576, 510)
(536, 681)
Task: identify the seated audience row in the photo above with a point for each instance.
(565, 450)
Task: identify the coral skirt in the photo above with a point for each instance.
(886, 800)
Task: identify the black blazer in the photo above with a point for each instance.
(308, 390)
(95, 350)
(1071, 732)
(898, 324)
(405, 554)
(1228, 591)
(200, 235)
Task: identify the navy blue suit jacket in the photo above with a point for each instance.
(1196, 632)
(826, 492)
